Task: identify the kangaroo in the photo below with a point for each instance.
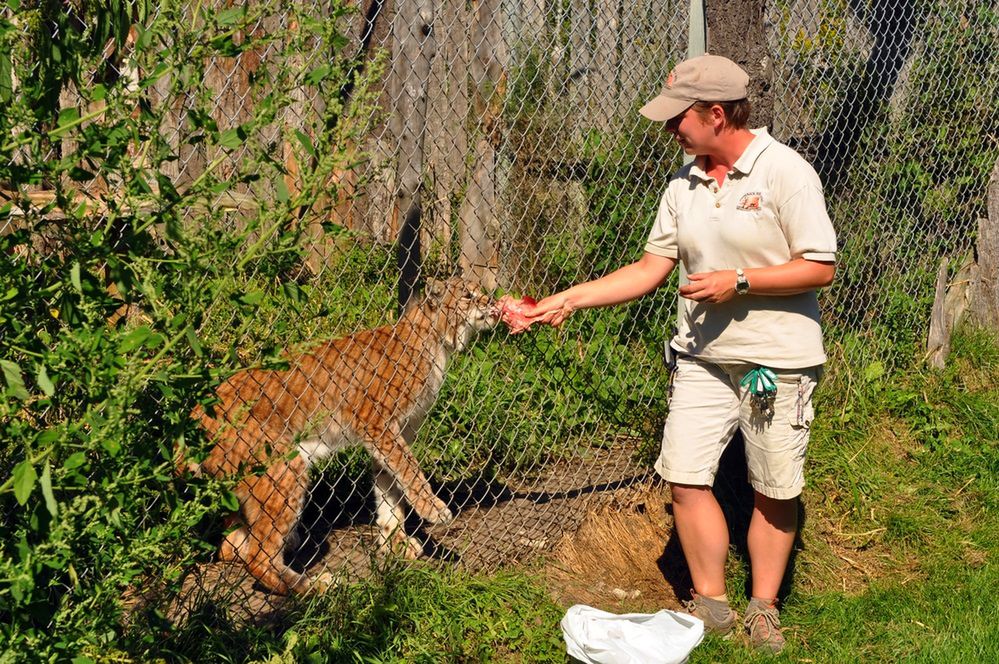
(373, 388)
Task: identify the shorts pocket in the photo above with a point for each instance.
(801, 413)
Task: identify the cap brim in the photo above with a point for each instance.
(664, 108)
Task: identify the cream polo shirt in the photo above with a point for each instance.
(768, 211)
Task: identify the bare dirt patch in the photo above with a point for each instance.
(598, 530)
(497, 524)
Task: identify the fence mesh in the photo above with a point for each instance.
(289, 149)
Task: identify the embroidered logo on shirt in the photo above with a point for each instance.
(749, 202)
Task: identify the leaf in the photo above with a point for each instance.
(231, 16)
(281, 190)
(112, 446)
(306, 142)
(74, 460)
(874, 371)
(318, 74)
(252, 299)
(144, 37)
(15, 380)
(167, 190)
(44, 381)
(68, 116)
(78, 174)
(192, 339)
(231, 138)
(227, 47)
(230, 501)
(134, 339)
(155, 76)
(74, 277)
(49, 436)
(292, 291)
(24, 481)
(46, 483)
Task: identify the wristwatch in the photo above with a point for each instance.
(741, 282)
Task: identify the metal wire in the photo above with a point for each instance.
(537, 172)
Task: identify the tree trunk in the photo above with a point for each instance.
(736, 31)
(605, 63)
(447, 129)
(479, 221)
(415, 47)
(580, 67)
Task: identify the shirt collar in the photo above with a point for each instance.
(744, 164)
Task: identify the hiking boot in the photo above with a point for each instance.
(718, 617)
(762, 623)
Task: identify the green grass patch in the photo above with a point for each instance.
(922, 583)
(404, 614)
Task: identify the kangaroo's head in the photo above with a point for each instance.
(457, 310)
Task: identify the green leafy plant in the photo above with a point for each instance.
(128, 294)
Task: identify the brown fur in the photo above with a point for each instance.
(373, 388)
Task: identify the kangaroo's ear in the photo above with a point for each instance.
(436, 288)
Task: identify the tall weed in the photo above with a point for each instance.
(126, 298)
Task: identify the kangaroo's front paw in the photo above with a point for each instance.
(436, 512)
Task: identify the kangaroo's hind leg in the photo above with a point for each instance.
(272, 504)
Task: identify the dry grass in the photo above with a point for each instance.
(615, 560)
(625, 557)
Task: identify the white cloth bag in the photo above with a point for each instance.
(597, 637)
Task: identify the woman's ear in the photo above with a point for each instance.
(718, 118)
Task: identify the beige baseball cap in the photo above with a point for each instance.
(703, 78)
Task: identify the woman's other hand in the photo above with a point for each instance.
(716, 287)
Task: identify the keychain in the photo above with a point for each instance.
(761, 383)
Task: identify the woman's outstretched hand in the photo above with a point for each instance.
(520, 314)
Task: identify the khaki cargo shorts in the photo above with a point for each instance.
(706, 407)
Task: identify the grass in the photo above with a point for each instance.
(904, 491)
(410, 614)
(897, 560)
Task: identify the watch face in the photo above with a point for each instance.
(742, 286)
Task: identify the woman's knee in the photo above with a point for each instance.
(689, 494)
(780, 512)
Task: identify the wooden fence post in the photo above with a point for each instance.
(412, 33)
(479, 255)
(974, 290)
(983, 305)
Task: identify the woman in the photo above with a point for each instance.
(748, 219)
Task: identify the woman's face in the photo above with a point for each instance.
(694, 134)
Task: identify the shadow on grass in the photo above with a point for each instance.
(735, 495)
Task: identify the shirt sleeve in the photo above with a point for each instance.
(806, 224)
(662, 237)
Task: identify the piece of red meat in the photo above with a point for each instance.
(513, 314)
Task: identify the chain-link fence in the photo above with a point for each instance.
(300, 163)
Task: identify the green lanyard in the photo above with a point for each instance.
(761, 383)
